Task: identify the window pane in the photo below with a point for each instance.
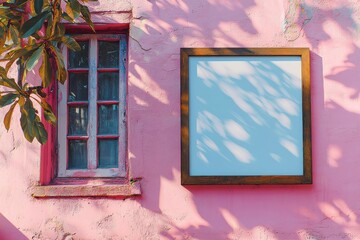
(79, 59)
(108, 84)
(108, 54)
(78, 121)
(108, 153)
(77, 154)
(78, 87)
(108, 119)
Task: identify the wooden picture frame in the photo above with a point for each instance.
(245, 116)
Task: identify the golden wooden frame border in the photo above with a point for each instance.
(306, 177)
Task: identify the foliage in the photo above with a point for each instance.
(33, 30)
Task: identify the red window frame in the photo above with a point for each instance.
(49, 152)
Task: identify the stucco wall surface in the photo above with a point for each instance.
(327, 209)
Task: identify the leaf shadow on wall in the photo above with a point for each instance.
(328, 209)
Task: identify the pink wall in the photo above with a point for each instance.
(327, 209)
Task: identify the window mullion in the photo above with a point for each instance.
(62, 122)
(122, 105)
(92, 145)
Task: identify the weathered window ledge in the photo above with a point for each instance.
(91, 189)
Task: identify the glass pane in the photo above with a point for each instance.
(78, 87)
(108, 85)
(108, 54)
(78, 121)
(79, 59)
(108, 153)
(77, 154)
(108, 119)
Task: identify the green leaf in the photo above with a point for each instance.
(60, 71)
(14, 34)
(48, 112)
(76, 6)
(2, 32)
(59, 30)
(4, 11)
(39, 131)
(45, 70)
(27, 120)
(87, 16)
(70, 43)
(5, 48)
(69, 11)
(7, 99)
(17, 54)
(45, 105)
(33, 60)
(56, 18)
(33, 24)
(38, 5)
(2, 72)
(10, 83)
(29, 109)
(50, 117)
(21, 101)
(48, 31)
(26, 126)
(67, 17)
(8, 115)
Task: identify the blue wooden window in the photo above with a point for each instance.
(92, 129)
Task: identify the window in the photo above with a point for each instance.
(91, 109)
(86, 153)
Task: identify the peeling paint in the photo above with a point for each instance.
(296, 17)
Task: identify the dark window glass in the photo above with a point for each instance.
(79, 59)
(78, 121)
(108, 86)
(78, 87)
(108, 122)
(108, 54)
(108, 153)
(77, 154)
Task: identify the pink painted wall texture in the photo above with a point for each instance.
(327, 209)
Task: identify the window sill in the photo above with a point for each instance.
(93, 188)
